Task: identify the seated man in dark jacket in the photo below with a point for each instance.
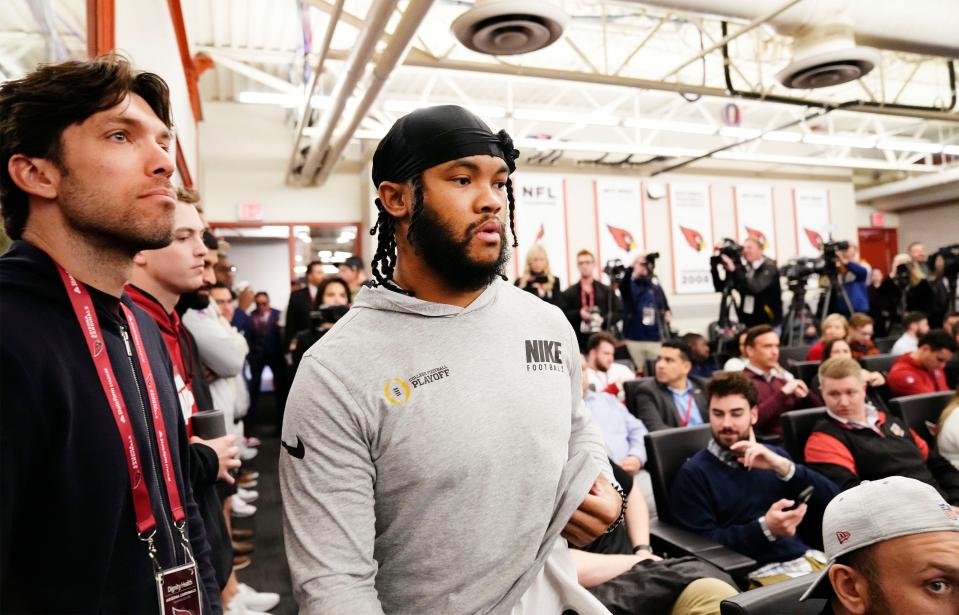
(673, 399)
(857, 442)
(742, 494)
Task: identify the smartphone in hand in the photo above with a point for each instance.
(803, 497)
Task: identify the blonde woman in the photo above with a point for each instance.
(947, 436)
(834, 327)
(537, 278)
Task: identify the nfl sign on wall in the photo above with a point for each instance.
(811, 211)
(690, 237)
(619, 218)
(541, 218)
(755, 217)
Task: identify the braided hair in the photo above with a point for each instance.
(384, 260)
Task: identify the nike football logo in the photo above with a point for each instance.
(297, 451)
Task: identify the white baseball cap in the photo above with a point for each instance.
(876, 511)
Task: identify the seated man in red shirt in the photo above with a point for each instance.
(779, 391)
(856, 442)
(921, 371)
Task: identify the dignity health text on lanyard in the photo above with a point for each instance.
(178, 588)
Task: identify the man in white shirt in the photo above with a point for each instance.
(914, 325)
(604, 373)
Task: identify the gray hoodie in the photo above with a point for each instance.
(434, 453)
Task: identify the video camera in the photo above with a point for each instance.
(327, 314)
(614, 269)
(730, 248)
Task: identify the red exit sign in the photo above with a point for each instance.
(253, 212)
(878, 219)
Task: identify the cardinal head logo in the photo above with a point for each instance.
(693, 238)
(814, 238)
(97, 348)
(622, 237)
(759, 236)
(540, 233)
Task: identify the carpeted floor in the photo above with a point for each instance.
(269, 570)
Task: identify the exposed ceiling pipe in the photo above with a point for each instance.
(376, 20)
(393, 55)
(334, 17)
(918, 26)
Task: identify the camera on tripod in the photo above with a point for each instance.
(327, 314)
(730, 248)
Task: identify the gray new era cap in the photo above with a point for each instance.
(876, 511)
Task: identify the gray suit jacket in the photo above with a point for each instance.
(654, 405)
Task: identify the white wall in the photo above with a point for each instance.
(933, 226)
(144, 33)
(264, 263)
(245, 150)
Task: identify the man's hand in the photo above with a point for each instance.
(585, 314)
(631, 464)
(796, 387)
(226, 452)
(728, 263)
(595, 514)
(754, 455)
(783, 523)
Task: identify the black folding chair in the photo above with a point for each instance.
(878, 362)
(921, 411)
(777, 599)
(629, 392)
(794, 353)
(667, 450)
(797, 425)
(884, 344)
(804, 370)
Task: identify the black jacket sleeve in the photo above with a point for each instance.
(647, 410)
(204, 465)
(945, 474)
(761, 279)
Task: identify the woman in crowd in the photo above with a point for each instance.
(331, 293)
(860, 336)
(947, 438)
(537, 278)
(834, 327)
(883, 300)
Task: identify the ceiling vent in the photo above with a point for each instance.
(509, 27)
(827, 55)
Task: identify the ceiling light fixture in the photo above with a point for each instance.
(924, 147)
(694, 128)
(864, 142)
(564, 117)
(782, 136)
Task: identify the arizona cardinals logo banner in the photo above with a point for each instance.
(691, 235)
(811, 210)
(541, 218)
(755, 217)
(619, 217)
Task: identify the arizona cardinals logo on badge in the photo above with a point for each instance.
(814, 238)
(540, 233)
(693, 238)
(758, 236)
(97, 348)
(843, 536)
(622, 237)
(138, 477)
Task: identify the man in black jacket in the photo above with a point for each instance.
(756, 279)
(589, 305)
(673, 398)
(301, 302)
(85, 184)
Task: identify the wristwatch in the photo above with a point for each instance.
(639, 548)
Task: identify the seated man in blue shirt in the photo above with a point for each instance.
(742, 494)
(623, 435)
(674, 398)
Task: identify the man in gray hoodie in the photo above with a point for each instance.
(438, 453)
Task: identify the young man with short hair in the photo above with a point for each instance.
(921, 371)
(914, 325)
(442, 387)
(703, 363)
(741, 493)
(892, 546)
(93, 452)
(857, 442)
(779, 391)
(589, 304)
(673, 398)
(604, 373)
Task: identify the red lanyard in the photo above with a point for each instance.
(689, 411)
(87, 317)
(586, 299)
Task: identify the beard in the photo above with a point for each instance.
(198, 299)
(448, 255)
(730, 433)
(95, 214)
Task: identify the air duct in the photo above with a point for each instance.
(510, 27)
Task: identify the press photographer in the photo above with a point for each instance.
(589, 305)
(853, 276)
(753, 276)
(929, 282)
(333, 300)
(646, 314)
